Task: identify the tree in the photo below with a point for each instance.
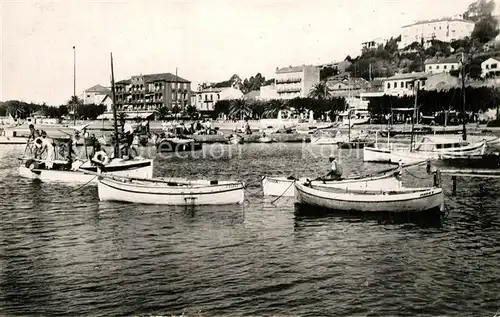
(163, 113)
(479, 9)
(239, 109)
(327, 72)
(274, 107)
(485, 29)
(320, 91)
(192, 111)
(221, 107)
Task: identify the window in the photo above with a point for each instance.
(437, 67)
(452, 66)
(402, 84)
(487, 66)
(388, 85)
(211, 97)
(88, 96)
(430, 66)
(494, 65)
(199, 97)
(444, 66)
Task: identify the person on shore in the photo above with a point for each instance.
(335, 169)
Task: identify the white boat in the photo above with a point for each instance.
(282, 186)
(431, 148)
(136, 167)
(13, 140)
(57, 168)
(376, 154)
(167, 192)
(402, 200)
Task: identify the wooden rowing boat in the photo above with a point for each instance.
(282, 186)
(401, 200)
(168, 192)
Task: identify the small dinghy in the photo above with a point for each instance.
(400, 200)
(282, 186)
(169, 192)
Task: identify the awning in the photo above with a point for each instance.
(105, 116)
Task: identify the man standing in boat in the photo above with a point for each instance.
(336, 169)
(128, 132)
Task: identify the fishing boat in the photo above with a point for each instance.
(376, 154)
(61, 166)
(382, 200)
(283, 186)
(431, 148)
(170, 192)
(177, 144)
(8, 136)
(458, 160)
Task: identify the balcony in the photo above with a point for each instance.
(288, 80)
(288, 90)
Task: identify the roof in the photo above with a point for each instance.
(437, 20)
(168, 77)
(408, 76)
(292, 69)
(123, 82)
(99, 88)
(253, 94)
(446, 60)
(497, 58)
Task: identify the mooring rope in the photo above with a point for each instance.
(283, 192)
(73, 190)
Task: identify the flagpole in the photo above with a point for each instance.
(464, 131)
(74, 85)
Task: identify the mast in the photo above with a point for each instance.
(414, 114)
(75, 100)
(114, 108)
(464, 131)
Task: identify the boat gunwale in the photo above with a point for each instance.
(106, 183)
(434, 191)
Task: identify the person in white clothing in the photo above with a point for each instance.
(336, 169)
(48, 147)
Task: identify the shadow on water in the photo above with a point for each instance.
(427, 219)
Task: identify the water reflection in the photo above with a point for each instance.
(427, 219)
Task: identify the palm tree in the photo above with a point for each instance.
(239, 109)
(192, 111)
(320, 91)
(274, 107)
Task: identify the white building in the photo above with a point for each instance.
(490, 67)
(373, 44)
(95, 95)
(206, 99)
(403, 84)
(445, 30)
(296, 81)
(441, 65)
(268, 92)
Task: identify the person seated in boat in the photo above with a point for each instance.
(48, 147)
(335, 169)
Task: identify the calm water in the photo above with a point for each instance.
(64, 253)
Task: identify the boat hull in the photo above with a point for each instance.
(407, 157)
(224, 193)
(428, 199)
(281, 186)
(374, 154)
(140, 168)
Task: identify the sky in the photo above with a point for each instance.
(206, 40)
